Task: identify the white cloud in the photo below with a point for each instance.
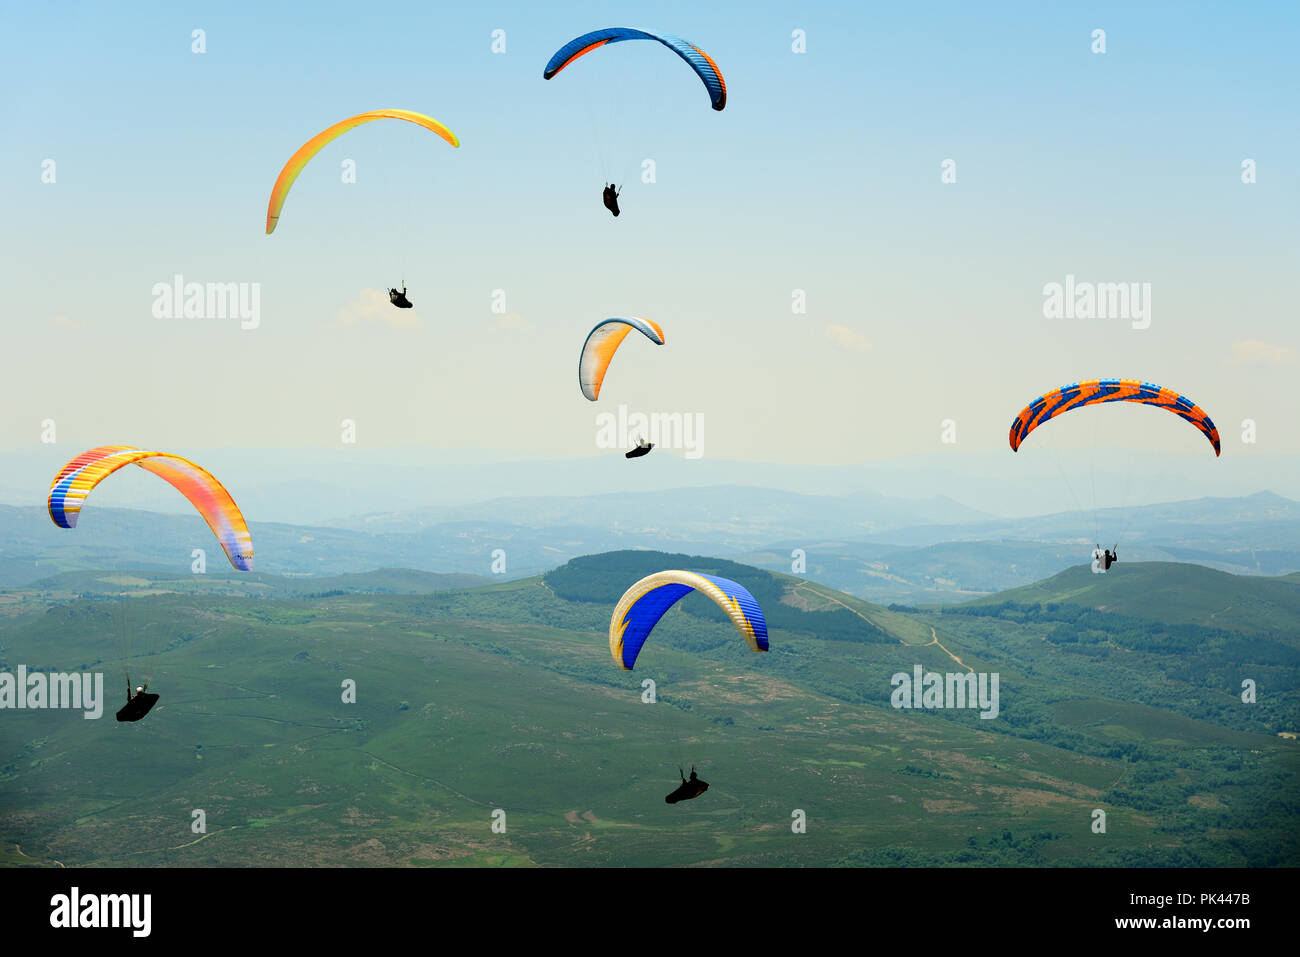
(846, 337)
(513, 322)
(372, 306)
(1259, 352)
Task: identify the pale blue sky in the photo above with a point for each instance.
(822, 174)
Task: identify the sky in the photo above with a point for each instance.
(822, 178)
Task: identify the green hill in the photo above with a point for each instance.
(146, 579)
(602, 579)
(505, 697)
(1171, 593)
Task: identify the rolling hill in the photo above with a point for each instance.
(504, 697)
(1172, 593)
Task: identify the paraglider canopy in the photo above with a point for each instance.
(1094, 391)
(303, 155)
(79, 477)
(601, 344)
(642, 605)
(697, 59)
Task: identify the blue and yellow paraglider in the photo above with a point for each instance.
(642, 605)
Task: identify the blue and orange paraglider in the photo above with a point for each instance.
(642, 605)
(697, 59)
(1094, 391)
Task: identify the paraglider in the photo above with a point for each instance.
(138, 704)
(646, 602)
(642, 605)
(642, 448)
(304, 154)
(610, 198)
(601, 344)
(1093, 391)
(399, 299)
(1103, 558)
(79, 476)
(688, 789)
(697, 59)
(82, 474)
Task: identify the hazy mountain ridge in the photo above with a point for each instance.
(729, 511)
(1259, 534)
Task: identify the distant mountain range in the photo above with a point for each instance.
(733, 515)
(872, 546)
(328, 486)
(1253, 535)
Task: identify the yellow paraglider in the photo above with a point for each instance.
(303, 156)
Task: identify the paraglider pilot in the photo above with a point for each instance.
(138, 703)
(688, 789)
(399, 299)
(642, 448)
(610, 198)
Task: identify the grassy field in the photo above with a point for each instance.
(505, 698)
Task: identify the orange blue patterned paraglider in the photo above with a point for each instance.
(642, 605)
(698, 60)
(303, 156)
(1094, 391)
(76, 479)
